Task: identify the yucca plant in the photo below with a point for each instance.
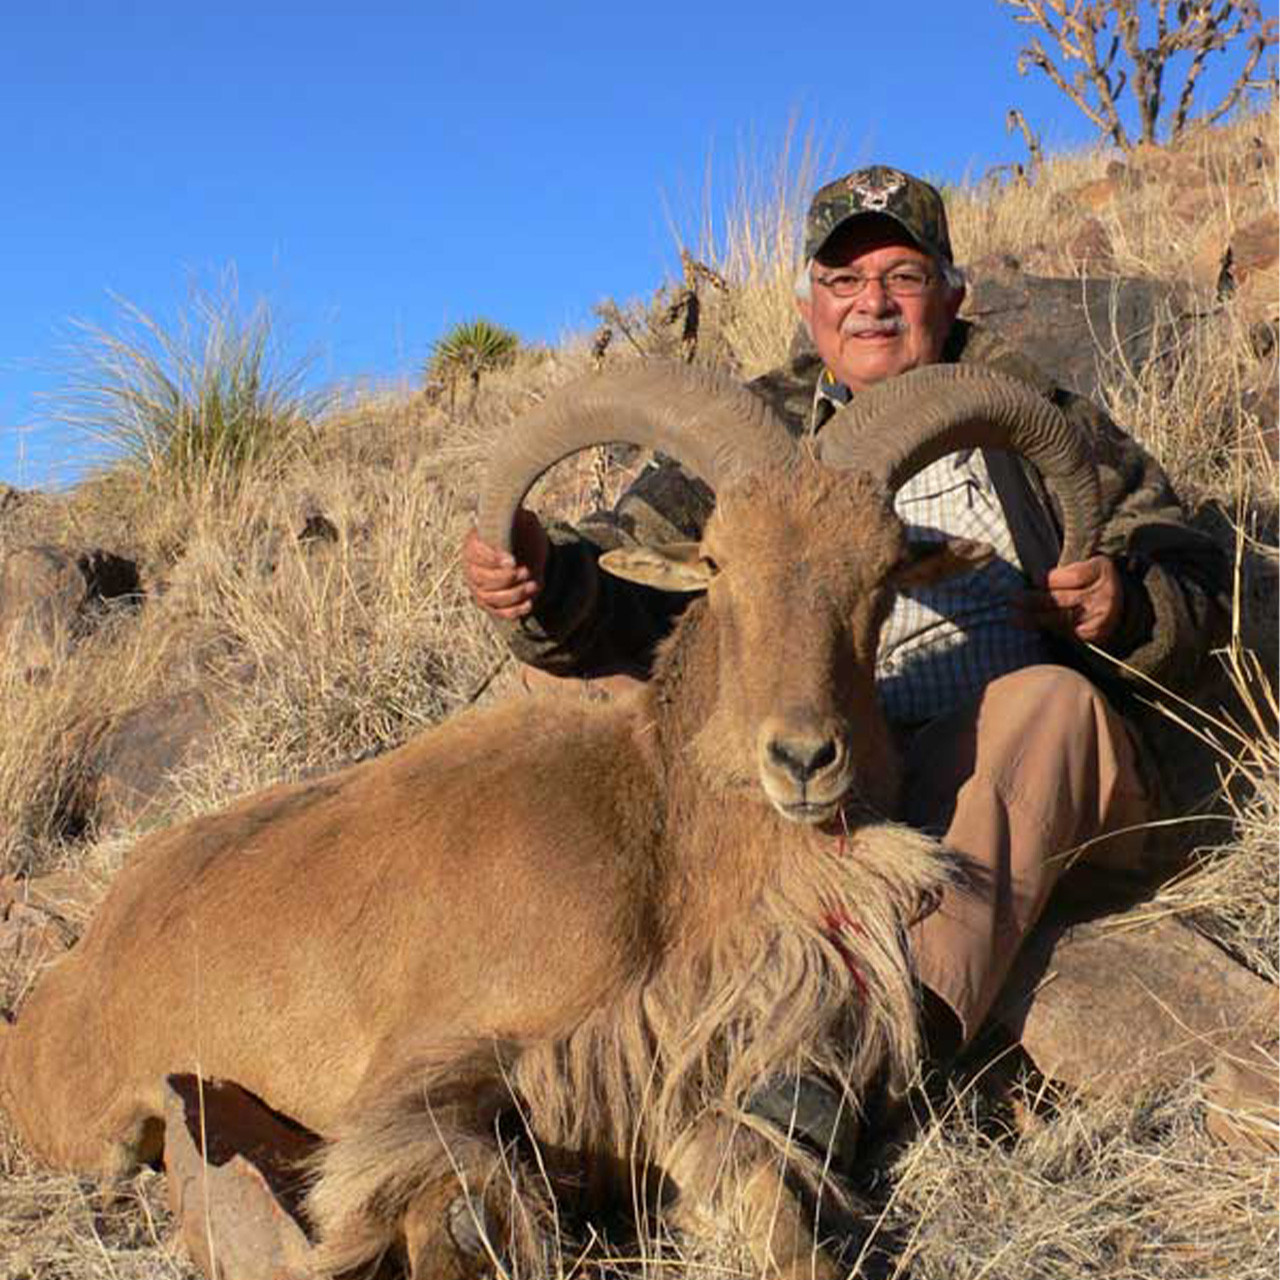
(469, 350)
(194, 403)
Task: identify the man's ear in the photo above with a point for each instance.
(928, 562)
(956, 301)
(804, 307)
(678, 566)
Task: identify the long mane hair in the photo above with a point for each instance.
(814, 980)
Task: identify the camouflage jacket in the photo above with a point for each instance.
(587, 622)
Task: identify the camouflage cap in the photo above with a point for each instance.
(885, 191)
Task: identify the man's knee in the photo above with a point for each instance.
(1042, 697)
(1023, 720)
(1049, 741)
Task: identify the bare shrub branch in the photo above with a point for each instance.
(688, 305)
(1095, 33)
(1016, 120)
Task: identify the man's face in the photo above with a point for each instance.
(873, 336)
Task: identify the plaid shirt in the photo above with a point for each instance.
(943, 643)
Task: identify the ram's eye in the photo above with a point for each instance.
(709, 563)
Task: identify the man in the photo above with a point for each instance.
(1013, 749)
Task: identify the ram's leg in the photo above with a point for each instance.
(455, 1233)
(430, 1205)
(779, 1228)
(479, 1213)
(426, 1166)
(728, 1172)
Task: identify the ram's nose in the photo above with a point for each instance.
(802, 758)
(805, 768)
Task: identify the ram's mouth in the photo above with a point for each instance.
(813, 812)
(812, 802)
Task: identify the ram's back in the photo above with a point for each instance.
(291, 941)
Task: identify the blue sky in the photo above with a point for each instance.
(381, 171)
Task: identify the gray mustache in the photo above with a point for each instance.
(865, 324)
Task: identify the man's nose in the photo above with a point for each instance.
(875, 299)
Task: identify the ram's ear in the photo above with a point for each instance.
(678, 566)
(928, 562)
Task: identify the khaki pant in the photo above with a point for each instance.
(1035, 773)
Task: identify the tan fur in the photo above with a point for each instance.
(602, 893)
(658, 1081)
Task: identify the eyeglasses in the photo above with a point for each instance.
(901, 282)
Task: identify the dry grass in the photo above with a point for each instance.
(1109, 1189)
(56, 1228)
(333, 649)
(1188, 408)
(1149, 233)
(758, 253)
(53, 724)
(1230, 890)
(316, 652)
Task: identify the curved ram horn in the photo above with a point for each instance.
(701, 417)
(899, 427)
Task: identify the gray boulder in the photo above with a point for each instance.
(1075, 330)
(1113, 1005)
(136, 755)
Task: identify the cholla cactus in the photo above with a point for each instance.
(1151, 40)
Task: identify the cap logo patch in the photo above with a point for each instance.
(874, 189)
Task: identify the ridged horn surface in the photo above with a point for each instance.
(701, 417)
(898, 427)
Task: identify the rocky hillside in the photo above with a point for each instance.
(178, 630)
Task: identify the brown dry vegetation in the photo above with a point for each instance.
(313, 653)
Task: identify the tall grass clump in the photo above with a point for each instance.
(393, 644)
(758, 252)
(1230, 891)
(56, 716)
(194, 404)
